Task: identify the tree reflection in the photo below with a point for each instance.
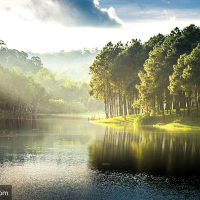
(146, 150)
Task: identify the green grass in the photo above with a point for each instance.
(117, 120)
(172, 121)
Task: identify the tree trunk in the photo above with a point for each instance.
(189, 105)
(108, 98)
(167, 100)
(105, 102)
(177, 97)
(125, 107)
(163, 113)
(197, 106)
(157, 104)
(120, 104)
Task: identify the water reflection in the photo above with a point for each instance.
(48, 159)
(17, 125)
(146, 150)
(42, 141)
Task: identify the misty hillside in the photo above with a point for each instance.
(73, 63)
(18, 60)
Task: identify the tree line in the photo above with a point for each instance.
(20, 96)
(73, 63)
(67, 95)
(12, 58)
(27, 88)
(161, 74)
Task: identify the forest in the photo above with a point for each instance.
(74, 63)
(160, 75)
(27, 88)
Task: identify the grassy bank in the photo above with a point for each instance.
(171, 121)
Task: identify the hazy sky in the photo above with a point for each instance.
(55, 25)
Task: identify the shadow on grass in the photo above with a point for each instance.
(171, 121)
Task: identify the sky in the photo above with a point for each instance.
(53, 25)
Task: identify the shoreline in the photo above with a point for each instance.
(171, 122)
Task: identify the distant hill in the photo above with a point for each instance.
(18, 60)
(73, 63)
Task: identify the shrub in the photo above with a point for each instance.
(142, 119)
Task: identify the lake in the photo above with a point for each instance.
(72, 158)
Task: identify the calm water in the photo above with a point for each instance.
(73, 159)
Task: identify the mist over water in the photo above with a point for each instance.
(75, 159)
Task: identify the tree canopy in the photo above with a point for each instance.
(161, 74)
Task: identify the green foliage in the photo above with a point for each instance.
(73, 93)
(169, 69)
(12, 58)
(61, 106)
(142, 119)
(154, 41)
(114, 75)
(73, 63)
(19, 96)
(26, 87)
(155, 76)
(172, 123)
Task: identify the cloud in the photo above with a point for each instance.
(70, 13)
(96, 2)
(171, 17)
(167, 2)
(84, 13)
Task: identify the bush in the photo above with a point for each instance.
(142, 119)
